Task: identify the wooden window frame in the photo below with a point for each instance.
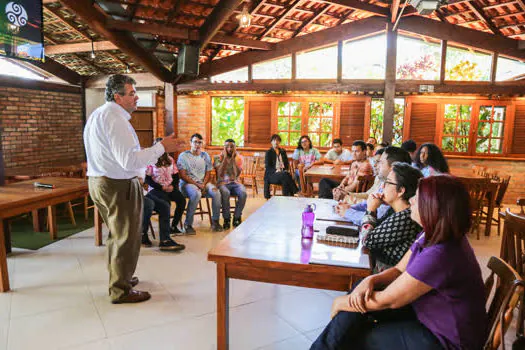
(474, 120)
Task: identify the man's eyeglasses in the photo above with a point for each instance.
(197, 142)
(390, 183)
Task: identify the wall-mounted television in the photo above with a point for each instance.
(21, 35)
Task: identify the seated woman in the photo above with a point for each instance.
(305, 154)
(430, 160)
(434, 298)
(276, 166)
(163, 181)
(390, 237)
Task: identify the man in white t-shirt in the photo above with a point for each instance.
(338, 154)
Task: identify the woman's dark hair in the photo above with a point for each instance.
(407, 177)
(370, 146)
(384, 144)
(275, 137)
(379, 152)
(164, 159)
(435, 158)
(299, 146)
(444, 208)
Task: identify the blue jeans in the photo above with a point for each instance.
(235, 189)
(194, 195)
(152, 202)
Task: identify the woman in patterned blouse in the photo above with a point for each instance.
(389, 238)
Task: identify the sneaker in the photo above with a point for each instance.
(189, 230)
(236, 222)
(171, 245)
(226, 224)
(176, 231)
(215, 226)
(145, 241)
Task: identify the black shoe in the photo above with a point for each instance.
(175, 230)
(236, 222)
(226, 224)
(145, 241)
(171, 245)
(189, 230)
(215, 226)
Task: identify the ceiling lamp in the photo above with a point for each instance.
(13, 28)
(244, 18)
(93, 56)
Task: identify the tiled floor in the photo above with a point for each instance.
(59, 301)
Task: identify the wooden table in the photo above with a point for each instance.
(334, 172)
(267, 247)
(22, 197)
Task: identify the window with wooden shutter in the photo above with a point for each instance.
(422, 128)
(518, 137)
(353, 118)
(259, 122)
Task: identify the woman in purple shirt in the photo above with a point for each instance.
(433, 298)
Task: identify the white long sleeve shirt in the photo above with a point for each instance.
(112, 146)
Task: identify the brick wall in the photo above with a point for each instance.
(191, 116)
(40, 128)
(514, 168)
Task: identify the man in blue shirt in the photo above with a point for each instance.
(356, 212)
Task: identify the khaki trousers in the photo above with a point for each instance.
(120, 203)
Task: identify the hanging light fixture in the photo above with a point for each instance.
(93, 56)
(13, 28)
(127, 69)
(244, 18)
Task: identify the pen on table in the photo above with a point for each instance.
(42, 185)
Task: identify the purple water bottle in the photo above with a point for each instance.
(308, 221)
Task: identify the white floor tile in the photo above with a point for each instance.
(197, 333)
(104, 344)
(305, 310)
(299, 342)
(313, 335)
(255, 325)
(56, 329)
(4, 331)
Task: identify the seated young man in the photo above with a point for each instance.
(329, 188)
(356, 212)
(195, 173)
(228, 166)
(338, 154)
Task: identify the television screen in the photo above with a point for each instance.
(21, 33)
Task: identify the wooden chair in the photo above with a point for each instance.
(307, 189)
(478, 188)
(365, 182)
(507, 291)
(249, 171)
(521, 203)
(502, 185)
(291, 170)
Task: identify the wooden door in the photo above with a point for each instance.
(142, 122)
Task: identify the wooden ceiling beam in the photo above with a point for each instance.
(67, 23)
(314, 18)
(394, 9)
(508, 15)
(185, 34)
(462, 35)
(332, 35)
(79, 47)
(478, 11)
(59, 70)
(495, 6)
(174, 32)
(292, 5)
(362, 6)
(220, 14)
(125, 42)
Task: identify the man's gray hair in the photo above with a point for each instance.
(115, 85)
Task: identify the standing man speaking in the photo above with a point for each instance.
(115, 161)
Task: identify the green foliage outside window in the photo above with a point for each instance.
(377, 111)
(456, 128)
(490, 130)
(320, 123)
(227, 120)
(289, 122)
